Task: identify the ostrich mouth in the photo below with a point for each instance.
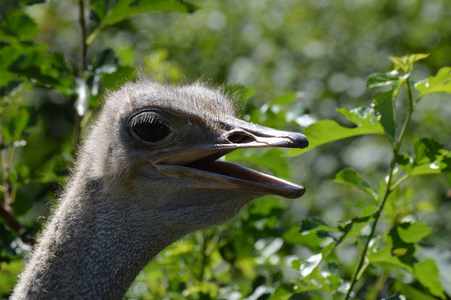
(203, 164)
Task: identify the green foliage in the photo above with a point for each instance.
(326, 131)
(350, 176)
(439, 83)
(364, 235)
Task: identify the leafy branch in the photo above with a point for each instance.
(429, 157)
(388, 189)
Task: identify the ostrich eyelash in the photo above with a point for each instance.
(145, 118)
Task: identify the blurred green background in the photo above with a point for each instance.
(294, 62)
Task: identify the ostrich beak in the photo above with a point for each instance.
(200, 161)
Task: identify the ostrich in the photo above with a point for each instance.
(146, 176)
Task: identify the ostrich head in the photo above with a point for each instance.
(153, 139)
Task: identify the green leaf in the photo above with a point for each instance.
(413, 232)
(384, 106)
(309, 264)
(266, 206)
(354, 227)
(410, 292)
(8, 55)
(21, 26)
(438, 83)
(318, 281)
(14, 123)
(383, 79)
(427, 273)
(426, 150)
(307, 239)
(122, 9)
(326, 131)
(10, 271)
(312, 223)
(363, 117)
(351, 177)
(34, 63)
(9, 83)
(317, 225)
(396, 252)
(430, 158)
(405, 63)
(282, 292)
(312, 233)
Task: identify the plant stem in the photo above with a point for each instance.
(380, 283)
(93, 35)
(388, 189)
(401, 180)
(203, 250)
(84, 50)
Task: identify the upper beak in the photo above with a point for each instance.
(249, 135)
(199, 161)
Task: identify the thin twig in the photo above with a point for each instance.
(83, 63)
(203, 251)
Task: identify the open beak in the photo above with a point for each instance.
(201, 161)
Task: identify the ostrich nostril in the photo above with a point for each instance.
(239, 138)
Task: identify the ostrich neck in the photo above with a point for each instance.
(94, 246)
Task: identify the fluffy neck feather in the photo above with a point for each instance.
(94, 246)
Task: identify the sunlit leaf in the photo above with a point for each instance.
(413, 232)
(326, 131)
(318, 281)
(427, 273)
(309, 264)
(382, 79)
(351, 177)
(438, 83)
(405, 63)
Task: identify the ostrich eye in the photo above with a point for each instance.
(149, 128)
